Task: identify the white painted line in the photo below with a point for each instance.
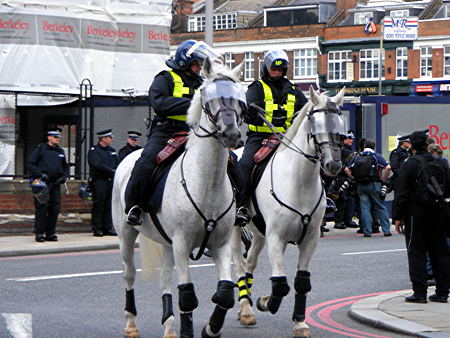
(19, 324)
(85, 274)
(370, 252)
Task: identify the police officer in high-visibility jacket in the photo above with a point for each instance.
(170, 95)
(280, 99)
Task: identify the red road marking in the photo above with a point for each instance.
(324, 315)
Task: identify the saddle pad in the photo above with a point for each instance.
(157, 196)
(269, 146)
(174, 145)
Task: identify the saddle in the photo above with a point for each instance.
(269, 146)
(175, 145)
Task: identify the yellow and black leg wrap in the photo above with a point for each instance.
(244, 290)
(302, 286)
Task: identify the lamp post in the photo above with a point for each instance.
(209, 22)
(380, 70)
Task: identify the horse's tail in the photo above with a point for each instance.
(151, 257)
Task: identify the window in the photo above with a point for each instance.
(402, 62)
(447, 11)
(369, 64)
(337, 64)
(305, 62)
(447, 60)
(302, 16)
(400, 13)
(229, 60)
(425, 61)
(249, 66)
(220, 21)
(361, 18)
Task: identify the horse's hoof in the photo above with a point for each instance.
(131, 332)
(261, 303)
(302, 333)
(170, 334)
(247, 320)
(211, 335)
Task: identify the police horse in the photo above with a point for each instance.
(290, 196)
(197, 209)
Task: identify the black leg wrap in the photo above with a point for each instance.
(302, 283)
(167, 307)
(187, 327)
(217, 319)
(130, 306)
(224, 296)
(299, 308)
(280, 288)
(187, 300)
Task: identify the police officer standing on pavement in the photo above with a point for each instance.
(103, 161)
(280, 99)
(132, 144)
(170, 96)
(48, 163)
(397, 158)
(421, 225)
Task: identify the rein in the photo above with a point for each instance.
(209, 224)
(305, 218)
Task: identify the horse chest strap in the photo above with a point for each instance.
(306, 219)
(210, 224)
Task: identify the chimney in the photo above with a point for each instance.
(183, 7)
(345, 4)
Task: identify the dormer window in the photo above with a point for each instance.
(447, 10)
(362, 17)
(400, 13)
(220, 21)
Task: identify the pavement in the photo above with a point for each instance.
(388, 311)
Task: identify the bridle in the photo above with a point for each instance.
(226, 107)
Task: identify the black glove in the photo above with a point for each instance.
(44, 177)
(60, 180)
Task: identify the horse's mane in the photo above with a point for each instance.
(292, 131)
(195, 109)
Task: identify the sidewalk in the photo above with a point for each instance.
(388, 311)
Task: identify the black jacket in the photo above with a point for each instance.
(103, 162)
(396, 160)
(280, 89)
(126, 150)
(48, 160)
(161, 90)
(406, 187)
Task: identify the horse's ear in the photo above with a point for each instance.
(207, 67)
(313, 97)
(236, 71)
(339, 97)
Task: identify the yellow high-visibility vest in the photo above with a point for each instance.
(270, 107)
(178, 91)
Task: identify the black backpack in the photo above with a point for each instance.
(431, 180)
(365, 168)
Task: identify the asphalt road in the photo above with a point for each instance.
(82, 294)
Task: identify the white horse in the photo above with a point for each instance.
(291, 199)
(197, 208)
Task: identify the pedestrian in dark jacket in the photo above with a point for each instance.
(422, 228)
(48, 163)
(170, 94)
(103, 161)
(132, 144)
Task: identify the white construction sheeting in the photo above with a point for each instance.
(52, 45)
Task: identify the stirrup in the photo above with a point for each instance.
(242, 217)
(331, 207)
(134, 216)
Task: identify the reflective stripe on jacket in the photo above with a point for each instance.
(270, 107)
(178, 91)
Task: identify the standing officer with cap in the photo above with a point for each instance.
(421, 225)
(170, 95)
(133, 139)
(103, 162)
(280, 99)
(48, 163)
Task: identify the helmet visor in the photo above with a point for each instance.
(200, 50)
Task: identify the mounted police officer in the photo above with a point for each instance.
(48, 164)
(132, 144)
(280, 99)
(103, 162)
(421, 225)
(170, 95)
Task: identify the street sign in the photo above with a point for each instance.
(401, 28)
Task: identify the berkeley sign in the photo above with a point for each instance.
(401, 28)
